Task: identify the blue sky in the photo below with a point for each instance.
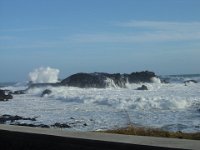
(99, 35)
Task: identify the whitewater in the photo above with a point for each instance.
(172, 106)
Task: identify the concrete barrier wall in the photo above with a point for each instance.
(14, 137)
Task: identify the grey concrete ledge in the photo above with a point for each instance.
(15, 137)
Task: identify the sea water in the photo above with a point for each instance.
(173, 106)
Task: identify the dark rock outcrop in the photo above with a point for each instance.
(5, 95)
(103, 80)
(118, 79)
(16, 120)
(143, 87)
(85, 80)
(46, 92)
(19, 92)
(5, 118)
(31, 125)
(144, 76)
(69, 124)
(96, 80)
(190, 81)
(61, 125)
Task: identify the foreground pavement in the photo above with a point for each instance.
(15, 137)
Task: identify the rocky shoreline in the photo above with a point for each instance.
(88, 80)
(15, 120)
(93, 80)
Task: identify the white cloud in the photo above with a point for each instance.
(143, 32)
(152, 31)
(162, 25)
(156, 36)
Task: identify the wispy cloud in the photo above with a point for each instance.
(143, 32)
(161, 25)
(150, 31)
(157, 36)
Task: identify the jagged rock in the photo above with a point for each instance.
(16, 120)
(143, 87)
(31, 125)
(103, 80)
(118, 79)
(190, 81)
(61, 125)
(98, 80)
(85, 80)
(20, 92)
(5, 95)
(144, 76)
(5, 118)
(46, 92)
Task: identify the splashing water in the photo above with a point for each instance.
(44, 75)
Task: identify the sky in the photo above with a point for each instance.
(99, 36)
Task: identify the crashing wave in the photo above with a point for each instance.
(110, 83)
(44, 75)
(155, 80)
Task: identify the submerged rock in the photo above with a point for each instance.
(31, 125)
(19, 92)
(143, 87)
(190, 81)
(19, 121)
(46, 92)
(5, 118)
(61, 125)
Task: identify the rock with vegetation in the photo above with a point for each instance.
(142, 131)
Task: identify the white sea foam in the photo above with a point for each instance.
(171, 106)
(110, 83)
(44, 75)
(155, 80)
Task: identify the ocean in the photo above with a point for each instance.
(171, 106)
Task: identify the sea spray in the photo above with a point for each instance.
(155, 80)
(44, 75)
